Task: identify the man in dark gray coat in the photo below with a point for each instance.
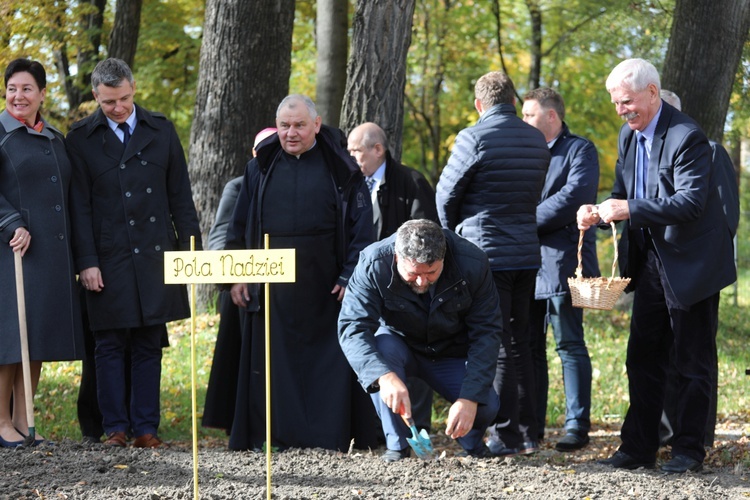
(572, 181)
(422, 303)
(488, 194)
(131, 201)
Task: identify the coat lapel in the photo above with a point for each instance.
(652, 185)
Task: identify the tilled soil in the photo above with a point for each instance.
(70, 469)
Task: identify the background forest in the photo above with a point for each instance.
(218, 68)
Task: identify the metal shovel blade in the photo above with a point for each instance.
(419, 440)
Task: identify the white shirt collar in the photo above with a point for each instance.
(130, 121)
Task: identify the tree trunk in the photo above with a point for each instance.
(78, 87)
(376, 72)
(245, 66)
(703, 56)
(535, 48)
(123, 40)
(331, 35)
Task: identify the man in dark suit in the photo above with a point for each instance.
(130, 202)
(665, 193)
(398, 193)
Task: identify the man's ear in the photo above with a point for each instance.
(478, 106)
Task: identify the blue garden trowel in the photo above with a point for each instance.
(419, 440)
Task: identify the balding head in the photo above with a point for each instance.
(367, 144)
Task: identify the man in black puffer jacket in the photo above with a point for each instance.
(488, 193)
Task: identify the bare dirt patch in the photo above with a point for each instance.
(73, 470)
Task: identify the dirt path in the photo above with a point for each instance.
(76, 471)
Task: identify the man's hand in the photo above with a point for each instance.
(91, 279)
(339, 291)
(614, 210)
(587, 216)
(394, 394)
(460, 418)
(240, 295)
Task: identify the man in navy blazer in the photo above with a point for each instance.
(679, 256)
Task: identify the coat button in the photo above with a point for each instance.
(46, 151)
(122, 167)
(127, 194)
(148, 190)
(131, 222)
(440, 299)
(60, 236)
(58, 208)
(53, 178)
(144, 162)
(152, 218)
(135, 250)
(401, 306)
(157, 248)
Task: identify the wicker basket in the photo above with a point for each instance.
(596, 293)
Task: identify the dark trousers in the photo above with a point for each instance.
(445, 376)
(567, 328)
(145, 375)
(660, 324)
(514, 378)
(89, 416)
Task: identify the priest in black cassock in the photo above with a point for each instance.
(307, 193)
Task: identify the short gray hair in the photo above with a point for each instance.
(110, 73)
(634, 74)
(291, 101)
(671, 98)
(421, 241)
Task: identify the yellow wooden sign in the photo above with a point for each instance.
(230, 266)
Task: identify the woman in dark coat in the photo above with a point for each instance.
(34, 181)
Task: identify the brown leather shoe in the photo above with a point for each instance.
(149, 441)
(118, 439)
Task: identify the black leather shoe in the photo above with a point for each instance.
(621, 460)
(480, 452)
(572, 441)
(498, 448)
(394, 455)
(528, 448)
(681, 464)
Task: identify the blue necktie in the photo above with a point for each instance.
(641, 167)
(370, 183)
(126, 133)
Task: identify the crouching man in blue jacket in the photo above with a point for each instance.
(423, 303)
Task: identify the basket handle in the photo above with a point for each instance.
(579, 269)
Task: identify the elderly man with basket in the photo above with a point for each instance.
(665, 193)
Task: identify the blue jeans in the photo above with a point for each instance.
(444, 375)
(567, 327)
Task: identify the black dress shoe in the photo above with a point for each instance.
(395, 455)
(621, 460)
(681, 464)
(572, 441)
(481, 452)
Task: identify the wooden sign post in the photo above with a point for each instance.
(224, 267)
